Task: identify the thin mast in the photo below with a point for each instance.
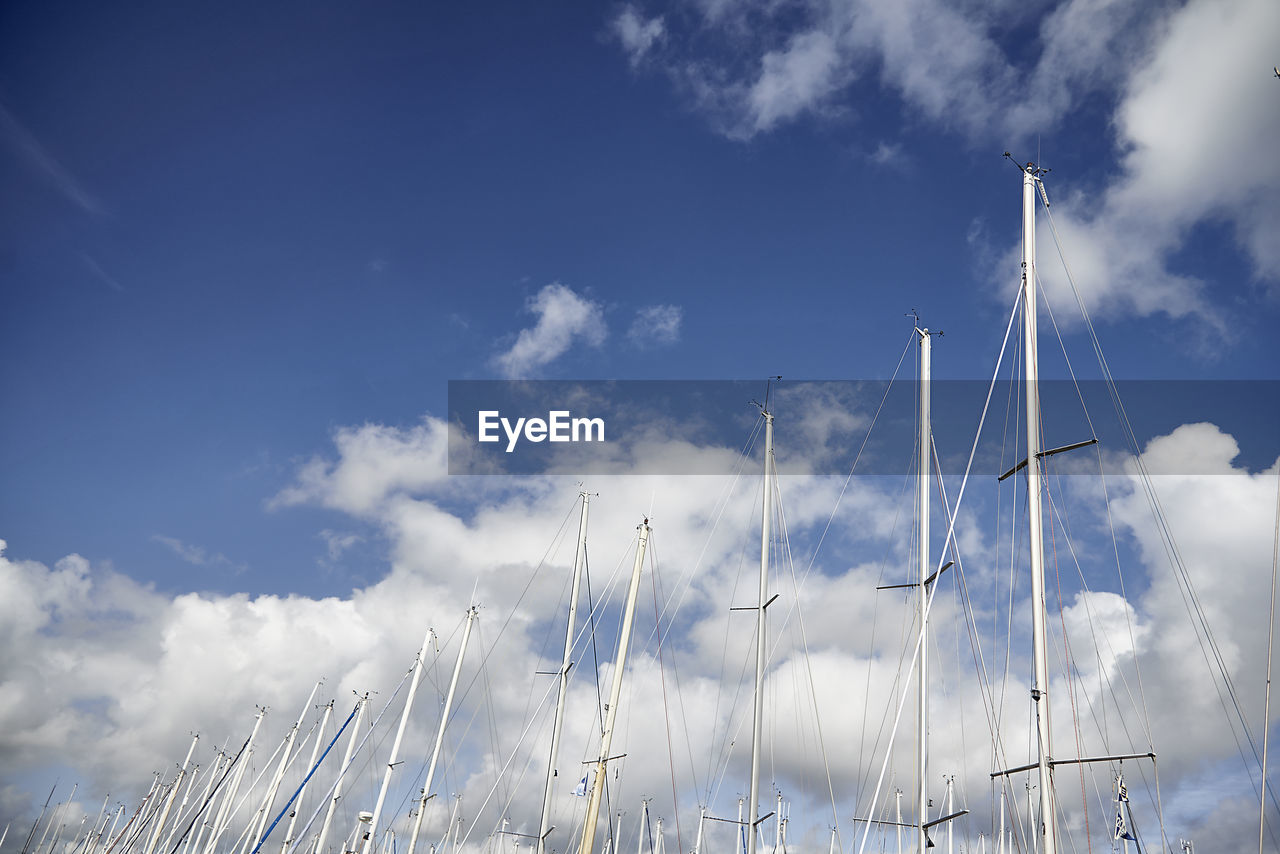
(168, 804)
(1040, 654)
(753, 804)
(922, 598)
(444, 718)
(395, 746)
(264, 813)
(361, 703)
(224, 818)
(39, 819)
(578, 559)
(206, 799)
(615, 694)
(302, 793)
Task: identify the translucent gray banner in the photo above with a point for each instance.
(702, 427)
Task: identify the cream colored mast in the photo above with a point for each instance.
(757, 732)
(566, 662)
(615, 694)
(472, 613)
(922, 598)
(395, 747)
(1040, 686)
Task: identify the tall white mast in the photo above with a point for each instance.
(753, 802)
(922, 597)
(224, 817)
(182, 815)
(264, 813)
(777, 827)
(395, 746)
(1040, 685)
(95, 832)
(105, 841)
(615, 694)
(444, 718)
(206, 803)
(579, 557)
(897, 795)
(361, 703)
(173, 795)
(302, 793)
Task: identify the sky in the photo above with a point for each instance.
(245, 248)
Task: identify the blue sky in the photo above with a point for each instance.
(230, 231)
(234, 234)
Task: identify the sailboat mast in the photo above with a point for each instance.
(922, 597)
(173, 795)
(615, 694)
(264, 813)
(578, 559)
(302, 792)
(444, 718)
(224, 810)
(361, 703)
(395, 747)
(753, 804)
(1040, 654)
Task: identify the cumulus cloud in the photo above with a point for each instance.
(564, 317)
(375, 461)
(1190, 129)
(108, 677)
(656, 325)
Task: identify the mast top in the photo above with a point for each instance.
(1032, 168)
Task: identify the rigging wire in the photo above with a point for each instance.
(1191, 599)
(1271, 626)
(666, 708)
(804, 640)
(951, 523)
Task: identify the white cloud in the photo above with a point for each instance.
(795, 80)
(889, 155)
(1191, 85)
(1192, 132)
(656, 325)
(564, 317)
(375, 461)
(637, 34)
(128, 673)
(336, 543)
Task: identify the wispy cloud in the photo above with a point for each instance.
(197, 555)
(637, 34)
(336, 543)
(564, 318)
(656, 325)
(102, 274)
(888, 155)
(40, 161)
